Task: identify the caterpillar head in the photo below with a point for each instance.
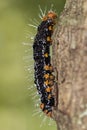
(51, 15)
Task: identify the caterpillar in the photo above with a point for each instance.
(43, 70)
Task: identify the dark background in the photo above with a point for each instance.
(16, 105)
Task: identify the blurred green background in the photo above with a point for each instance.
(16, 105)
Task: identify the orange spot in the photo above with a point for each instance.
(46, 82)
(46, 67)
(51, 68)
(48, 89)
(42, 106)
(49, 114)
(45, 111)
(49, 39)
(49, 76)
(46, 54)
(46, 76)
(50, 28)
(49, 96)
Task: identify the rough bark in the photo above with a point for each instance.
(70, 66)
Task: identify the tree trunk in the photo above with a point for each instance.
(70, 67)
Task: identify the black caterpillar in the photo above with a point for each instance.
(44, 79)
